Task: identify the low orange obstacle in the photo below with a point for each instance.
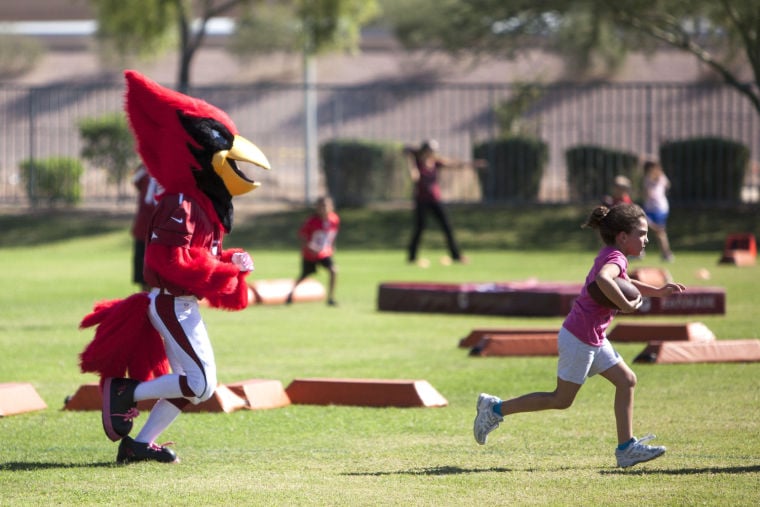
(261, 393)
(88, 397)
(477, 335)
(364, 393)
(707, 351)
(275, 292)
(636, 332)
(225, 399)
(517, 345)
(740, 250)
(17, 398)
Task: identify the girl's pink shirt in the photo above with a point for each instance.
(588, 320)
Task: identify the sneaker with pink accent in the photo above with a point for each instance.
(638, 452)
(131, 451)
(119, 407)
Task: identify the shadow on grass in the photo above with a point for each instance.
(443, 470)
(44, 227)
(27, 466)
(454, 470)
(749, 469)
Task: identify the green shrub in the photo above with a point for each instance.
(55, 179)
(359, 172)
(592, 169)
(515, 168)
(108, 143)
(705, 169)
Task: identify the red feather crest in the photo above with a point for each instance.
(161, 141)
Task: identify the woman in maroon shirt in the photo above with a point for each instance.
(427, 197)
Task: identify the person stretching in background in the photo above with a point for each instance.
(318, 235)
(426, 164)
(583, 347)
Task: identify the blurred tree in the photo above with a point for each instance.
(310, 27)
(145, 28)
(723, 34)
(107, 143)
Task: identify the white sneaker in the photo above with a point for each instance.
(638, 452)
(486, 419)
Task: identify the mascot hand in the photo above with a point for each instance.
(243, 261)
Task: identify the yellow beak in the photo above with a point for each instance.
(234, 179)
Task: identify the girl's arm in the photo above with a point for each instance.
(651, 291)
(605, 279)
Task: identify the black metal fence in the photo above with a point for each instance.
(42, 122)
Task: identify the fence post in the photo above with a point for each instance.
(648, 128)
(32, 176)
(310, 125)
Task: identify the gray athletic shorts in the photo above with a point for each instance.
(578, 360)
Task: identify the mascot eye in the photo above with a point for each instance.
(208, 133)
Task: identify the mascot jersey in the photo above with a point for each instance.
(180, 223)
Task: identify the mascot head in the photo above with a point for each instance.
(190, 146)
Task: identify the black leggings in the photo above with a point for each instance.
(420, 211)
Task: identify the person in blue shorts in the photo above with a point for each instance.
(656, 206)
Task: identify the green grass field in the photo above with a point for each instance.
(55, 266)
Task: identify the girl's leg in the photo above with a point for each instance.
(561, 398)
(491, 410)
(624, 380)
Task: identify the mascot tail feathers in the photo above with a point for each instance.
(125, 341)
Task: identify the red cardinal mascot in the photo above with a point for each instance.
(154, 345)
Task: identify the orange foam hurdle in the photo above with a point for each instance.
(740, 250)
(365, 393)
(261, 394)
(88, 397)
(275, 292)
(715, 351)
(18, 397)
(635, 332)
(477, 335)
(223, 400)
(517, 345)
